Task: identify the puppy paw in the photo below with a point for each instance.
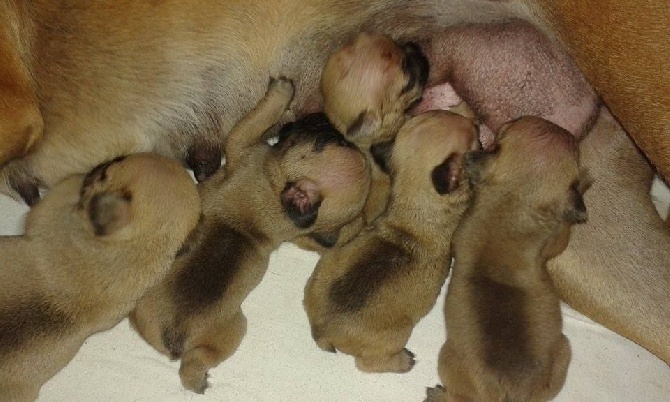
(326, 346)
(435, 394)
(406, 360)
(282, 87)
(196, 383)
(400, 362)
(194, 376)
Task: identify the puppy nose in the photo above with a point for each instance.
(415, 63)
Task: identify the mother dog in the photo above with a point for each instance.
(82, 82)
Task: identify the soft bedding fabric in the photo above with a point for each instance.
(278, 360)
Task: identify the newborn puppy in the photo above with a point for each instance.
(317, 125)
(506, 70)
(264, 195)
(92, 247)
(504, 339)
(365, 298)
(367, 85)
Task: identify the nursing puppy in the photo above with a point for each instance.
(367, 86)
(365, 298)
(503, 318)
(91, 249)
(264, 195)
(369, 83)
(317, 125)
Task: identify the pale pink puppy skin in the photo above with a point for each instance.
(441, 97)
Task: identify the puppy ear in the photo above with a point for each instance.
(447, 175)
(576, 210)
(109, 212)
(301, 201)
(327, 240)
(366, 124)
(381, 153)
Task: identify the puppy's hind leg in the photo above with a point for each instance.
(250, 129)
(559, 371)
(400, 362)
(382, 350)
(320, 336)
(217, 344)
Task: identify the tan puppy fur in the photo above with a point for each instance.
(318, 125)
(367, 86)
(265, 195)
(365, 298)
(369, 83)
(92, 247)
(504, 324)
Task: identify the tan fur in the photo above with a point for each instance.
(362, 85)
(134, 76)
(195, 313)
(504, 339)
(365, 298)
(92, 247)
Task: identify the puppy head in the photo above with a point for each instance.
(323, 179)
(369, 83)
(427, 156)
(138, 197)
(535, 163)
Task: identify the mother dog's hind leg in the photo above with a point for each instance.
(616, 269)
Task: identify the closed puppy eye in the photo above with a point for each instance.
(99, 173)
